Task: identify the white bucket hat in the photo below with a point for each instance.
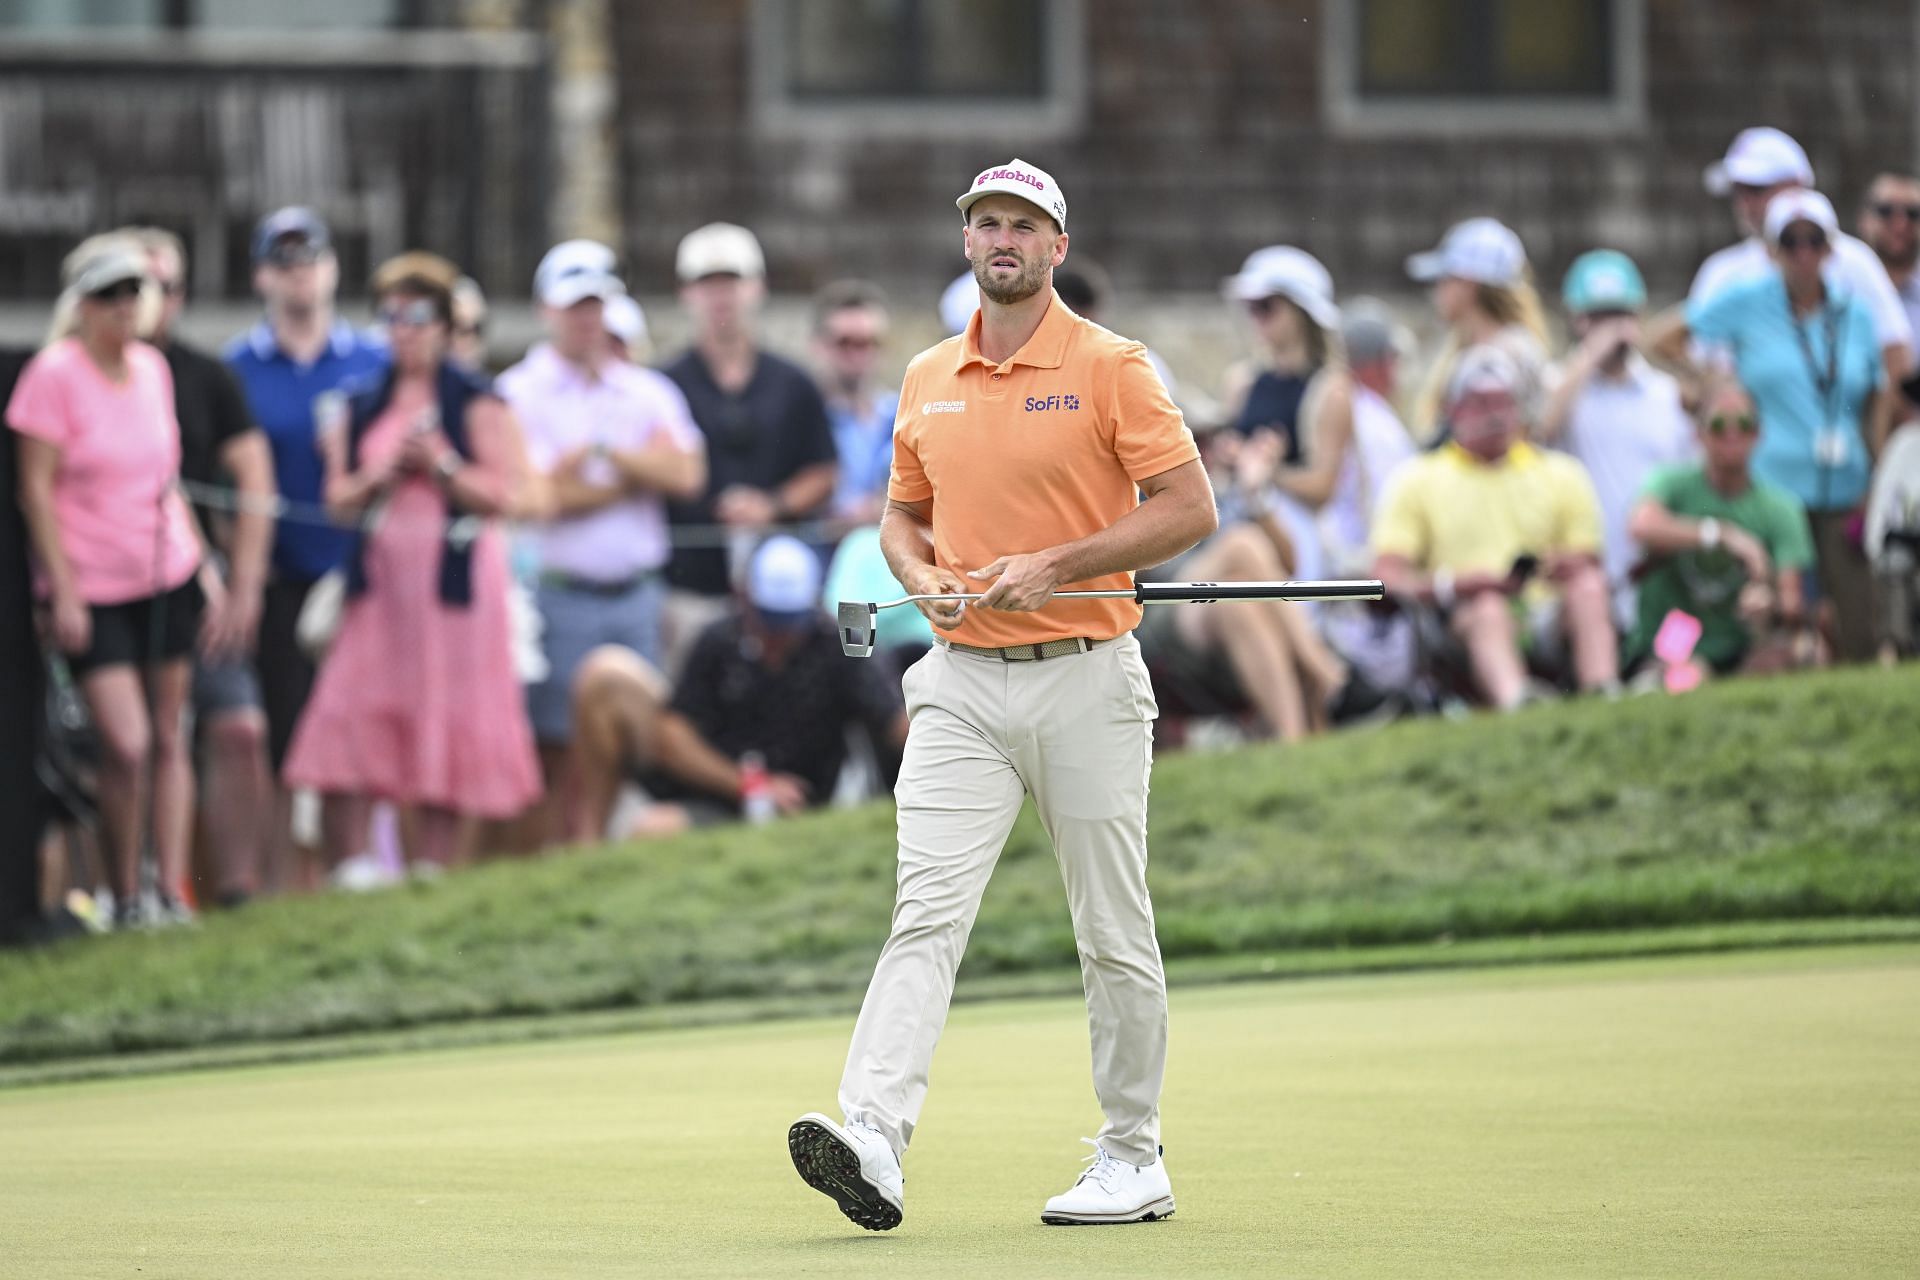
(1286, 272)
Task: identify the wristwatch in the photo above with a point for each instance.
(1709, 530)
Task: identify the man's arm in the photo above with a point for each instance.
(661, 468)
(906, 540)
(1177, 512)
(1663, 533)
(249, 460)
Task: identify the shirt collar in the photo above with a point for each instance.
(341, 340)
(1046, 349)
(1521, 456)
(563, 373)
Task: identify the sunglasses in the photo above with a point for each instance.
(119, 291)
(855, 342)
(1793, 241)
(1720, 424)
(1886, 212)
(293, 253)
(413, 314)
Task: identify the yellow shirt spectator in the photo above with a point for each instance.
(1449, 510)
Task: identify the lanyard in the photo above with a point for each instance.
(1827, 384)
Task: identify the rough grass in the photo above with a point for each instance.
(1783, 800)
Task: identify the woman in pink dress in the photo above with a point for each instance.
(418, 702)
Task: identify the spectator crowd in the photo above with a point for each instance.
(342, 605)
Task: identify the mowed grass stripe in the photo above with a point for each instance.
(1747, 1115)
(1777, 800)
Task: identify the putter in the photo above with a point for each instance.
(858, 618)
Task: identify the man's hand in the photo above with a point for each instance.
(232, 619)
(789, 793)
(1024, 583)
(744, 507)
(932, 580)
(1749, 551)
(1475, 583)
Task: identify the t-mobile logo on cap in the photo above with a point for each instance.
(1012, 175)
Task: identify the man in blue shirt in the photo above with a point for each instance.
(291, 365)
(849, 333)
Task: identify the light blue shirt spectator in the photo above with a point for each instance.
(1783, 360)
(864, 442)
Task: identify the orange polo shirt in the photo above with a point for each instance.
(1046, 448)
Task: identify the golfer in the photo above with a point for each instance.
(1023, 450)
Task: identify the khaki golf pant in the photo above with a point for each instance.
(1075, 733)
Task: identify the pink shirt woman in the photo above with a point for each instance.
(116, 552)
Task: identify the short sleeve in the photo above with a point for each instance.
(39, 404)
(1715, 317)
(807, 427)
(1789, 538)
(1875, 288)
(231, 417)
(1149, 434)
(1400, 523)
(1578, 509)
(1665, 485)
(673, 421)
(697, 694)
(908, 480)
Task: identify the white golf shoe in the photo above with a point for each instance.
(1111, 1191)
(854, 1165)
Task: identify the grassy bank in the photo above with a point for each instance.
(1785, 800)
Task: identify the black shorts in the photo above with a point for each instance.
(140, 632)
(703, 809)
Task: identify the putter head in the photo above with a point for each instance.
(857, 623)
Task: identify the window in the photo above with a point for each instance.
(876, 66)
(1515, 66)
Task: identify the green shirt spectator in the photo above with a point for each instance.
(1706, 581)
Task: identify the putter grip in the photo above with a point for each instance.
(1207, 592)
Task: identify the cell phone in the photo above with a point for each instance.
(1525, 565)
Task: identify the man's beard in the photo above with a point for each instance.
(1032, 277)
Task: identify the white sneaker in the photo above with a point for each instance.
(1112, 1191)
(852, 1164)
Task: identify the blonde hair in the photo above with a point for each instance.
(1515, 306)
(66, 308)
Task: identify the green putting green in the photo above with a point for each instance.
(1738, 1115)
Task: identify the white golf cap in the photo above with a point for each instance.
(1799, 204)
(719, 249)
(958, 303)
(1484, 368)
(1482, 250)
(1759, 157)
(625, 320)
(784, 577)
(574, 270)
(1018, 178)
(1286, 272)
(115, 261)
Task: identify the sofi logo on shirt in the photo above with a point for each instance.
(1046, 404)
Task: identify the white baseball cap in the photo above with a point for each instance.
(719, 249)
(1482, 250)
(1800, 204)
(784, 577)
(625, 320)
(1018, 178)
(1759, 157)
(574, 270)
(1283, 271)
(958, 302)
